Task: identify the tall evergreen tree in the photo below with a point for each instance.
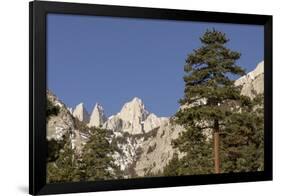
(98, 163)
(209, 86)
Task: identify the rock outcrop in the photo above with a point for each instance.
(252, 83)
(143, 138)
(63, 126)
(134, 119)
(81, 113)
(97, 118)
(132, 115)
(157, 150)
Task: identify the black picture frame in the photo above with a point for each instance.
(37, 96)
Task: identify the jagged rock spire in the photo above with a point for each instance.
(97, 117)
(81, 113)
(133, 110)
(133, 118)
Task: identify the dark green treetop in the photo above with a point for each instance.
(209, 78)
(211, 102)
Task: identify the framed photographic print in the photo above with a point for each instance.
(130, 97)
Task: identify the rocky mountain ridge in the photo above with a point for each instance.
(253, 82)
(143, 139)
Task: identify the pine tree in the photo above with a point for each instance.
(65, 168)
(98, 163)
(209, 87)
(242, 149)
(62, 161)
(175, 167)
(94, 162)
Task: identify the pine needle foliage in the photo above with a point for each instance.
(212, 103)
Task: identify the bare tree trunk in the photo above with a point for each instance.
(216, 139)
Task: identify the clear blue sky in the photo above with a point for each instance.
(111, 60)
